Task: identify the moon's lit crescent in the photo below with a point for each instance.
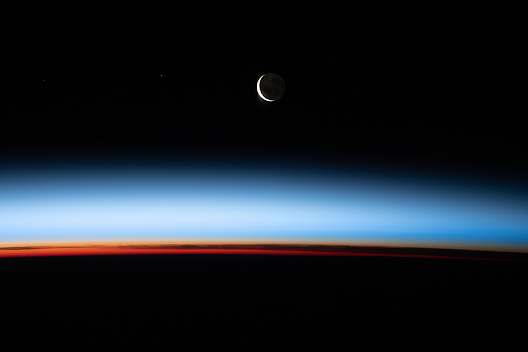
(258, 89)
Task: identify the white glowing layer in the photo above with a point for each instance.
(253, 204)
(258, 90)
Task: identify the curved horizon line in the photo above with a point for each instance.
(258, 249)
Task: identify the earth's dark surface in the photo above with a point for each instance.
(263, 295)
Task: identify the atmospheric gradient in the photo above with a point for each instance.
(75, 209)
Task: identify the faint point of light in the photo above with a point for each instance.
(258, 89)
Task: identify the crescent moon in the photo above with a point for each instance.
(258, 89)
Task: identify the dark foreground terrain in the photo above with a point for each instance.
(267, 297)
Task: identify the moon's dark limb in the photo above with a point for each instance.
(272, 86)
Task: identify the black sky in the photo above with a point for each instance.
(360, 88)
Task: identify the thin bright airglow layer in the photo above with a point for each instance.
(258, 89)
(234, 206)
